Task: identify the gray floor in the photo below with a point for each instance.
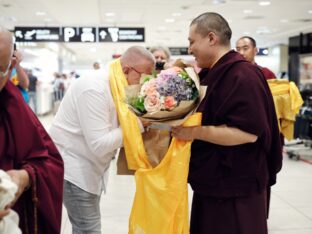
(291, 207)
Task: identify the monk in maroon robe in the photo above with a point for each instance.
(28, 155)
(247, 47)
(236, 153)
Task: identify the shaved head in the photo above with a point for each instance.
(136, 54)
(211, 21)
(6, 42)
(137, 61)
(6, 53)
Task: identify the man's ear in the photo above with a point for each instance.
(126, 70)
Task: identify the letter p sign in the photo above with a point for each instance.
(68, 33)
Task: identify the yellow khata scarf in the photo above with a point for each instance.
(161, 201)
(287, 102)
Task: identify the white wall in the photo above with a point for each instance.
(277, 59)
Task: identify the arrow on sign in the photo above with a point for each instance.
(19, 34)
(103, 34)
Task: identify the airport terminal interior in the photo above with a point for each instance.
(57, 43)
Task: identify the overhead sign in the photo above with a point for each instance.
(79, 34)
(38, 34)
(115, 34)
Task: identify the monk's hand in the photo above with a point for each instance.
(183, 133)
(21, 179)
(4, 212)
(145, 122)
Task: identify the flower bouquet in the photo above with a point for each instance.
(170, 95)
(164, 100)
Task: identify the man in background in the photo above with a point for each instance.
(247, 47)
(32, 89)
(96, 66)
(19, 76)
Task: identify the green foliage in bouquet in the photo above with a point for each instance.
(137, 103)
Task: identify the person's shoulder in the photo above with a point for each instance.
(247, 71)
(268, 73)
(94, 80)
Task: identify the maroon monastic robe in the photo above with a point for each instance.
(24, 144)
(237, 96)
(268, 74)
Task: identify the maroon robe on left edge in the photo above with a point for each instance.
(24, 144)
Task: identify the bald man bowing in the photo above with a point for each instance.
(87, 133)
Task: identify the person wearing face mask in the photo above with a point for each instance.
(162, 56)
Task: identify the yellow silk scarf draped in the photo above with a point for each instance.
(161, 201)
(287, 101)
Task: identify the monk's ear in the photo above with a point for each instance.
(212, 38)
(255, 51)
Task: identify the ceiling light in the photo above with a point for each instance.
(6, 5)
(40, 13)
(169, 20)
(263, 30)
(264, 3)
(216, 2)
(176, 14)
(47, 20)
(11, 19)
(162, 28)
(110, 14)
(247, 11)
(284, 20)
(310, 11)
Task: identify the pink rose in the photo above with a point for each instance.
(169, 103)
(152, 102)
(149, 88)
